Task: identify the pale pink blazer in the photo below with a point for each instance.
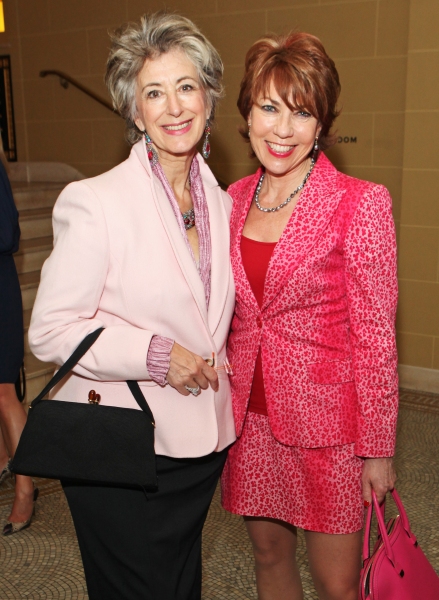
(120, 262)
(326, 328)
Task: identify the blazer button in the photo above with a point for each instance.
(259, 321)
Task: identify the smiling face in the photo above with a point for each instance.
(281, 138)
(171, 104)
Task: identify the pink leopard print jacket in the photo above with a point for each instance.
(327, 324)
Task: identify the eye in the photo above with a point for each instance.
(268, 108)
(153, 94)
(303, 113)
(187, 87)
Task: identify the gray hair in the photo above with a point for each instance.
(156, 34)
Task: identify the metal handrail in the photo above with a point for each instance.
(65, 79)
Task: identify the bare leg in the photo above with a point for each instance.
(274, 546)
(4, 455)
(12, 421)
(335, 564)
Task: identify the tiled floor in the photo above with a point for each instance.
(43, 562)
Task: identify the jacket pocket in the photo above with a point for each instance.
(331, 371)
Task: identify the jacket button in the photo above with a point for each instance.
(259, 321)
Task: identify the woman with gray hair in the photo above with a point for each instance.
(143, 251)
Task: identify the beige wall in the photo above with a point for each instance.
(418, 317)
(387, 53)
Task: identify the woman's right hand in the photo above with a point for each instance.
(187, 368)
(378, 475)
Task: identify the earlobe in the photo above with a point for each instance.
(208, 112)
(139, 124)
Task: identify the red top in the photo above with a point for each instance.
(255, 259)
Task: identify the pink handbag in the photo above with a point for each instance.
(397, 568)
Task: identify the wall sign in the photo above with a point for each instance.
(7, 125)
(346, 139)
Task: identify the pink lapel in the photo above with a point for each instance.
(219, 228)
(220, 239)
(242, 193)
(317, 204)
(174, 234)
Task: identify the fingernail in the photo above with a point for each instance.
(366, 504)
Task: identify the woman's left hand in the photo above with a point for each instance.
(379, 475)
(189, 369)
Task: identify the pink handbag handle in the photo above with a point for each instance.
(366, 549)
(379, 511)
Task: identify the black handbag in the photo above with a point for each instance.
(74, 441)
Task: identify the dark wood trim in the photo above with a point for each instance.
(7, 122)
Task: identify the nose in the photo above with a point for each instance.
(284, 125)
(174, 107)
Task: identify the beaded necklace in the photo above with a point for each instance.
(290, 197)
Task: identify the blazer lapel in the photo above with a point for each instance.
(220, 241)
(174, 234)
(241, 206)
(317, 204)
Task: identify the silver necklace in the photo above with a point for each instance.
(290, 197)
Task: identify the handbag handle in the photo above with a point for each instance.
(366, 539)
(367, 527)
(382, 526)
(76, 355)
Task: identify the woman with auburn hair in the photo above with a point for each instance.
(312, 343)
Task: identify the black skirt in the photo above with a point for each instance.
(146, 546)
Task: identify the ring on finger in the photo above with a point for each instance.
(193, 391)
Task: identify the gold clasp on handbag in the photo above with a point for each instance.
(94, 398)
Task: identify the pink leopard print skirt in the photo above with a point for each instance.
(317, 489)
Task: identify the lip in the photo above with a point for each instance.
(280, 154)
(185, 127)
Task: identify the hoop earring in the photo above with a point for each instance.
(151, 151)
(206, 144)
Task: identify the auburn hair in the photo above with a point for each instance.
(302, 73)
